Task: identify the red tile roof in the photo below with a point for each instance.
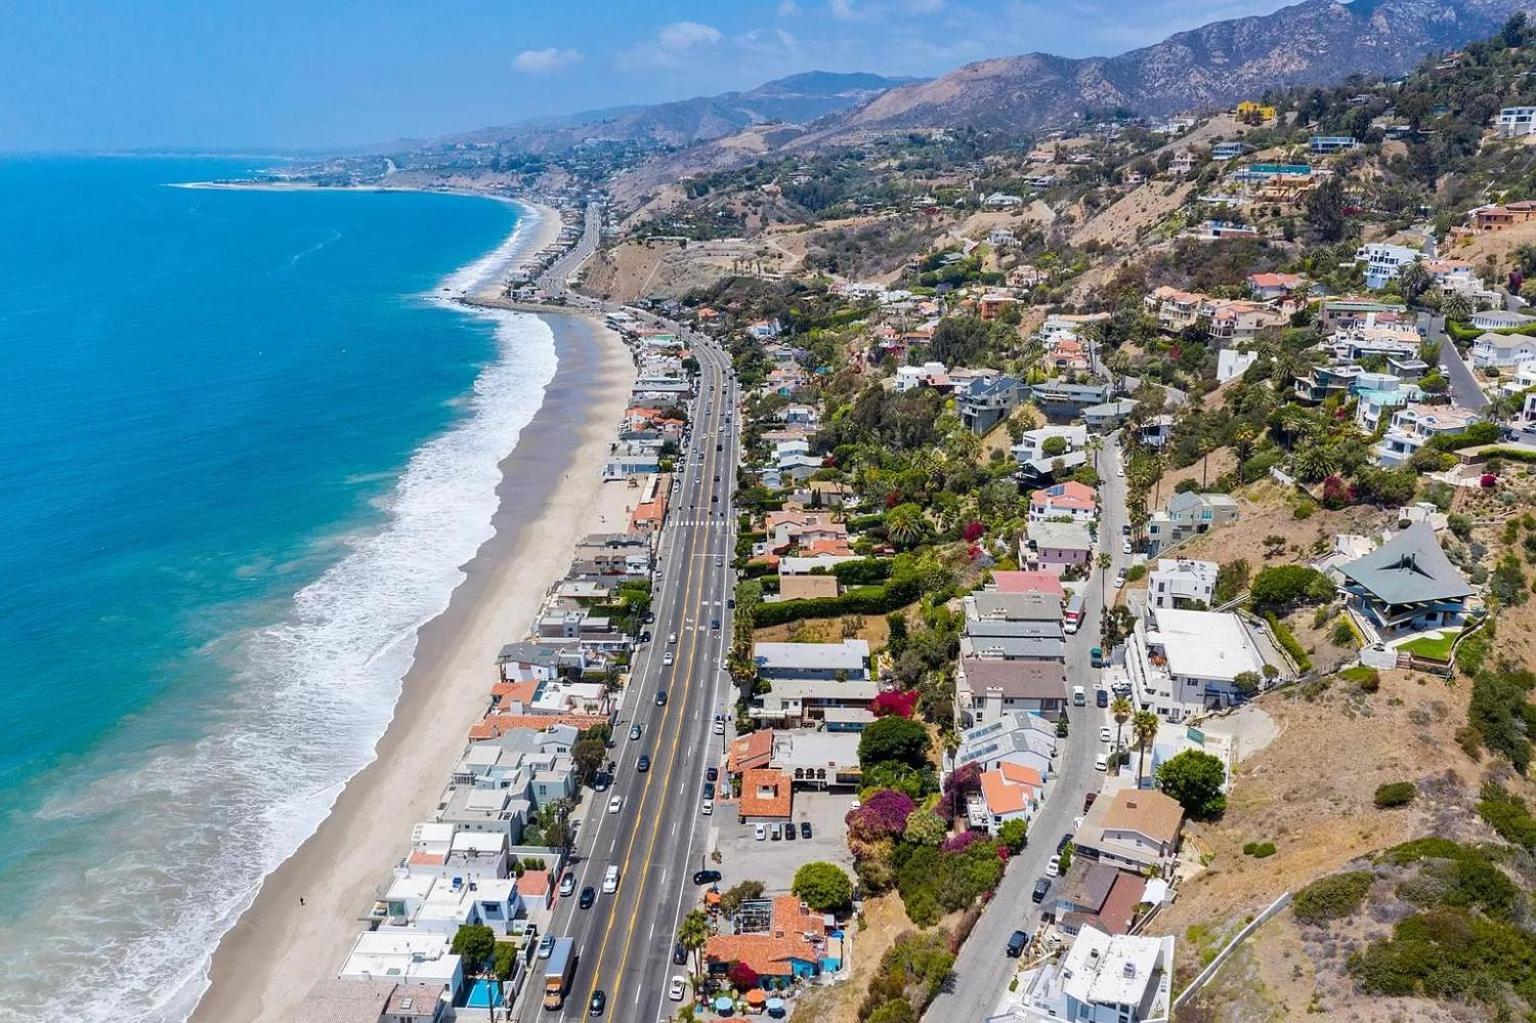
(750, 751)
(1028, 582)
(765, 792)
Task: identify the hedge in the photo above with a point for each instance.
(862, 600)
(1466, 332)
(1285, 638)
(863, 572)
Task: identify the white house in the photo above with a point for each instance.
(1502, 351)
(1032, 443)
(407, 956)
(1102, 979)
(1384, 262)
(1178, 583)
(1516, 121)
(1414, 425)
(1183, 663)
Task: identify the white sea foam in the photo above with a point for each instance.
(194, 831)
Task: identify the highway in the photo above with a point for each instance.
(982, 970)
(624, 941)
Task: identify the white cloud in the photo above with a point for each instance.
(540, 62)
(684, 35)
(843, 10)
(788, 8)
(770, 41)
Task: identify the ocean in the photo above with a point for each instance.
(244, 446)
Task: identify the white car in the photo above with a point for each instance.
(568, 884)
(677, 988)
(760, 832)
(1125, 548)
(666, 658)
(1119, 582)
(1053, 867)
(1101, 763)
(719, 726)
(1120, 470)
(546, 946)
(707, 808)
(855, 804)
(615, 804)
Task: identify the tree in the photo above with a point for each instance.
(476, 943)
(1144, 729)
(1247, 683)
(894, 740)
(1413, 280)
(904, 524)
(1054, 447)
(1315, 461)
(823, 886)
(1456, 307)
(1120, 709)
(692, 933)
(1325, 209)
(1012, 834)
(1280, 587)
(732, 898)
(1195, 778)
(924, 827)
(587, 756)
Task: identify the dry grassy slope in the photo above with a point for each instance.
(1142, 207)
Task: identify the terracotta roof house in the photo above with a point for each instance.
(1028, 582)
(793, 945)
(766, 795)
(1071, 500)
(750, 751)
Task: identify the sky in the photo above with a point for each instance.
(94, 75)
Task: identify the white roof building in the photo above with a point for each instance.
(1183, 663)
(405, 955)
(1177, 583)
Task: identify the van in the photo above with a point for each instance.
(1079, 696)
(611, 880)
(1042, 886)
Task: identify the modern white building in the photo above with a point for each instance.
(1517, 121)
(1414, 425)
(1178, 583)
(406, 956)
(1103, 979)
(1384, 262)
(1183, 663)
(1502, 351)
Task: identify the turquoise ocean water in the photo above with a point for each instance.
(244, 445)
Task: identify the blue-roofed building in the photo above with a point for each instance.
(1406, 585)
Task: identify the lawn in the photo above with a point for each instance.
(1433, 648)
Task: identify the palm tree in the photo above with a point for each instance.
(1144, 730)
(1120, 710)
(904, 524)
(1456, 307)
(1412, 280)
(692, 933)
(1315, 461)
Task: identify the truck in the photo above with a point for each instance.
(1072, 617)
(557, 972)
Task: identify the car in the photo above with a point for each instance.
(715, 499)
(666, 659)
(1042, 886)
(634, 731)
(854, 804)
(1101, 763)
(719, 726)
(730, 602)
(707, 807)
(719, 447)
(1079, 696)
(588, 896)
(1066, 840)
(789, 832)
(677, 989)
(1053, 867)
(717, 477)
(759, 832)
(1119, 579)
(776, 832)
(1017, 942)
(611, 878)
(661, 696)
(1125, 529)
(805, 829)
(645, 637)
(600, 781)
(1106, 733)
(615, 804)
(1120, 471)
(643, 764)
(1101, 697)
(599, 1003)
(714, 623)
(672, 638)
(706, 876)
(546, 946)
(1125, 548)
(719, 562)
(679, 954)
(709, 790)
(1096, 657)
(650, 616)
(567, 883)
(712, 774)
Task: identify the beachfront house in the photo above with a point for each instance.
(1101, 979)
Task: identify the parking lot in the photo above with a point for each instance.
(743, 858)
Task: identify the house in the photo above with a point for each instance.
(1102, 979)
(985, 403)
(1325, 144)
(1378, 395)
(1046, 583)
(1023, 740)
(794, 944)
(986, 688)
(537, 662)
(1183, 663)
(787, 529)
(1500, 319)
(1384, 262)
(1188, 514)
(1499, 216)
(1093, 894)
(1216, 230)
(1502, 351)
(929, 374)
(765, 795)
(1354, 311)
(1181, 163)
(1234, 321)
(1002, 201)
(1227, 150)
(372, 1000)
(842, 662)
(1516, 121)
(833, 705)
(1056, 545)
(1049, 441)
(406, 956)
(1406, 585)
(1181, 583)
(1073, 501)
(817, 759)
(1232, 363)
(1013, 641)
(1132, 829)
(989, 605)
(1414, 425)
(1011, 792)
(1176, 310)
(1108, 415)
(1059, 399)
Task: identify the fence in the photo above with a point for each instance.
(1243, 935)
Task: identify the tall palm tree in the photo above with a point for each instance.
(904, 524)
(1144, 730)
(692, 933)
(1457, 307)
(1120, 710)
(1412, 280)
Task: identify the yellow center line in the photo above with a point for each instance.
(709, 461)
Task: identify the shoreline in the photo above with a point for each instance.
(266, 963)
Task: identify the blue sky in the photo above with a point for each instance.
(103, 74)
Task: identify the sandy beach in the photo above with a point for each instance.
(549, 498)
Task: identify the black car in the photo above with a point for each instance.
(709, 790)
(643, 764)
(645, 637)
(805, 829)
(731, 602)
(789, 832)
(599, 1003)
(661, 697)
(714, 623)
(715, 499)
(1065, 841)
(1016, 943)
(600, 782)
(706, 876)
(650, 616)
(679, 954)
(713, 774)
(1041, 887)
(1101, 698)
(588, 896)
(717, 477)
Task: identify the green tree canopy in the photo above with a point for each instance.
(1280, 587)
(1194, 779)
(476, 943)
(825, 887)
(894, 740)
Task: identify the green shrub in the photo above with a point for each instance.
(1259, 850)
(1304, 510)
(1287, 639)
(1395, 793)
(1333, 897)
(1279, 587)
(1507, 814)
(1368, 679)
(1136, 572)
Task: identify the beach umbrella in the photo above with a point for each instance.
(755, 999)
(776, 1007)
(723, 1005)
